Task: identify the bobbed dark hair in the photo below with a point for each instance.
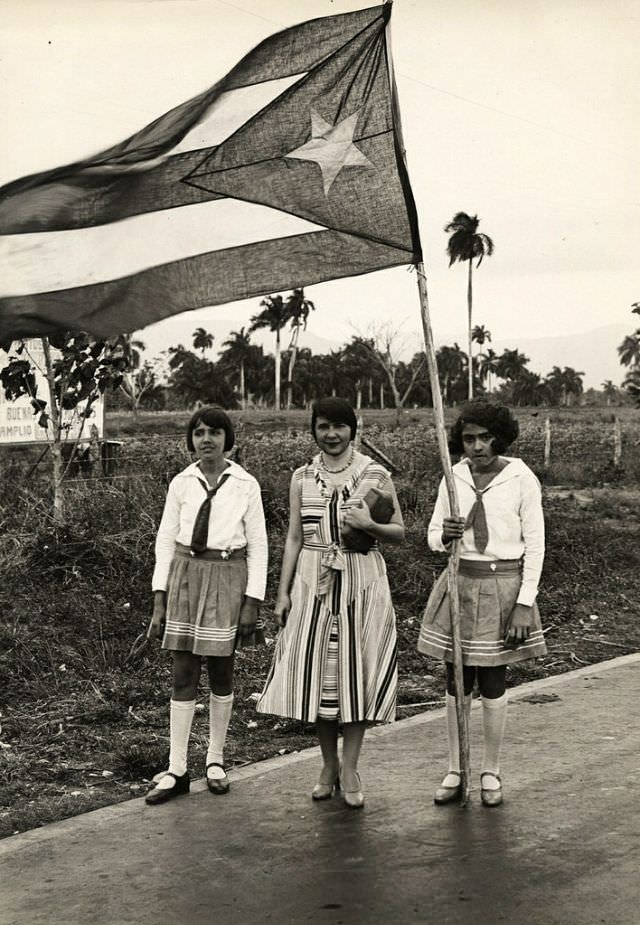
(212, 417)
(498, 420)
(336, 410)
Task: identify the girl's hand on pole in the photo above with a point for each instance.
(519, 625)
(248, 617)
(452, 529)
(282, 608)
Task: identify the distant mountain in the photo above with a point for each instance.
(592, 352)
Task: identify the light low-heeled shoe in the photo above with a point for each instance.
(448, 794)
(323, 791)
(161, 795)
(491, 797)
(354, 799)
(217, 785)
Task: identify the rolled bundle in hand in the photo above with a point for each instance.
(380, 504)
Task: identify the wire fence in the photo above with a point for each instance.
(580, 451)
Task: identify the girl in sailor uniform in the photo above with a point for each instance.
(501, 534)
(209, 578)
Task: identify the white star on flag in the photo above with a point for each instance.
(331, 147)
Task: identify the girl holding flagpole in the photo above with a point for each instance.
(501, 533)
(335, 658)
(209, 578)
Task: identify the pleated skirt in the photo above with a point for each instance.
(486, 602)
(204, 598)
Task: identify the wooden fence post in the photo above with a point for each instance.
(547, 444)
(617, 442)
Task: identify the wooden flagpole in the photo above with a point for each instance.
(438, 413)
(454, 557)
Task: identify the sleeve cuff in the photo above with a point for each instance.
(257, 592)
(436, 544)
(526, 597)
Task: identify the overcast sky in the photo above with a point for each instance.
(527, 114)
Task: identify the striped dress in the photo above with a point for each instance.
(341, 593)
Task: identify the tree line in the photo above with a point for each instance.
(366, 370)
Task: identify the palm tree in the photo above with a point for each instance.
(629, 349)
(565, 383)
(202, 340)
(467, 243)
(530, 389)
(511, 364)
(631, 384)
(238, 349)
(480, 334)
(274, 316)
(451, 362)
(573, 384)
(298, 308)
(555, 381)
(487, 366)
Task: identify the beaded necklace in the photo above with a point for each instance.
(336, 471)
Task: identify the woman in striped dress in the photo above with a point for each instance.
(335, 658)
(210, 575)
(501, 533)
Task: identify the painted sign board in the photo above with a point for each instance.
(19, 425)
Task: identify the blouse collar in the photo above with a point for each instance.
(194, 471)
(512, 470)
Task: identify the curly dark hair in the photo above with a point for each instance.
(336, 410)
(212, 417)
(498, 420)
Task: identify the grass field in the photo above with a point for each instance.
(84, 724)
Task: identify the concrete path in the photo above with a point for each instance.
(564, 847)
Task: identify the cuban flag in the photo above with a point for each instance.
(287, 172)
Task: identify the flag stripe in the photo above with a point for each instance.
(55, 260)
(230, 111)
(228, 275)
(95, 196)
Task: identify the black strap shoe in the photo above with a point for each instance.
(217, 785)
(161, 795)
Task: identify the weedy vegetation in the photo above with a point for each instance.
(83, 719)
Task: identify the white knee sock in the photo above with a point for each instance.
(220, 707)
(181, 716)
(452, 737)
(494, 717)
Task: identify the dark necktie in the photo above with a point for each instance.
(477, 519)
(201, 526)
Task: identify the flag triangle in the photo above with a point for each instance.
(324, 150)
